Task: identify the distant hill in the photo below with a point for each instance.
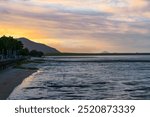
(37, 46)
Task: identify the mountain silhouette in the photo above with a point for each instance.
(37, 46)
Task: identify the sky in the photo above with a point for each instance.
(90, 26)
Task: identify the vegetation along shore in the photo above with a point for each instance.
(15, 64)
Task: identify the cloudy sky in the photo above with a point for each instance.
(80, 25)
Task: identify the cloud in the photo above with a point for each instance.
(79, 25)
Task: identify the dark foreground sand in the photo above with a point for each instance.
(11, 78)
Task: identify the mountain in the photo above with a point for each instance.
(37, 46)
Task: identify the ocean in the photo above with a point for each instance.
(88, 78)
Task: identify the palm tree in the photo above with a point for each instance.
(9, 46)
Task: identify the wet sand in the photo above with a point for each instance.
(11, 78)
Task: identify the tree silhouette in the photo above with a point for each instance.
(12, 48)
(9, 46)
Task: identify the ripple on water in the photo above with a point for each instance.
(88, 80)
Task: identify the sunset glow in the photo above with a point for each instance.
(79, 25)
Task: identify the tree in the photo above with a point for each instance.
(9, 46)
(24, 52)
(35, 53)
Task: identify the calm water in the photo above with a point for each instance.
(107, 77)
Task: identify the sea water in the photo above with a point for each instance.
(88, 78)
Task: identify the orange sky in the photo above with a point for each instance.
(79, 25)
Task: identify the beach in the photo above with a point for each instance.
(11, 78)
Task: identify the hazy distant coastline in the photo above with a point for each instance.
(93, 54)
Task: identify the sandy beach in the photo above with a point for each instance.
(11, 78)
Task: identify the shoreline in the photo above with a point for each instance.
(10, 79)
